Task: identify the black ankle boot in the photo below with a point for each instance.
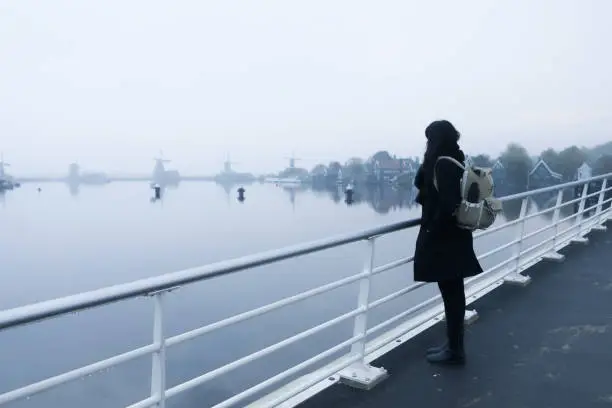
(447, 356)
(453, 353)
(437, 349)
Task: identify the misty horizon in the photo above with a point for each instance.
(110, 85)
(171, 166)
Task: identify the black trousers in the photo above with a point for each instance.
(453, 296)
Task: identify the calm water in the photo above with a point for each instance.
(62, 241)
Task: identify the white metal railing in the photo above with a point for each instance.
(354, 368)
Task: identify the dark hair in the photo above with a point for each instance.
(441, 135)
(442, 138)
(441, 132)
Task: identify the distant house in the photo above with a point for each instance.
(498, 167)
(354, 171)
(408, 166)
(542, 176)
(319, 170)
(388, 169)
(584, 172)
(333, 173)
(6, 181)
(318, 176)
(498, 172)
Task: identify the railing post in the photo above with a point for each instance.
(158, 371)
(515, 277)
(361, 320)
(361, 374)
(600, 220)
(580, 238)
(553, 255)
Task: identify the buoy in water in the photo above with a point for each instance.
(348, 192)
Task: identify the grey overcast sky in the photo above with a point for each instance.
(110, 83)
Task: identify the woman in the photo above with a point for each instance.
(444, 252)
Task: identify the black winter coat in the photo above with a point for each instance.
(443, 250)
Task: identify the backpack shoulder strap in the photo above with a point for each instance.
(451, 159)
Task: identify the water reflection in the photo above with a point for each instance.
(546, 201)
(511, 209)
(381, 198)
(386, 198)
(74, 188)
(293, 191)
(158, 193)
(233, 190)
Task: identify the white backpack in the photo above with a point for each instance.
(478, 207)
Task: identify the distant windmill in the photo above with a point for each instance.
(227, 165)
(159, 170)
(3, 164)
(74, 172)
(292, 160)
(161, 158)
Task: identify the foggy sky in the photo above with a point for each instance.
(110, 83)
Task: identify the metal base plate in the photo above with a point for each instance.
(517, 279)
(470, 316)
(554, 256)
(362, 376)
(580, 240)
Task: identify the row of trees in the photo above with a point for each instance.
(518, 163)
(515, 158)
(565, 162)
(354, 167)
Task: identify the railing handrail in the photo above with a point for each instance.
(73, 303)
(555, 187)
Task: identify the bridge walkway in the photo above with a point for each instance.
(548, 344)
